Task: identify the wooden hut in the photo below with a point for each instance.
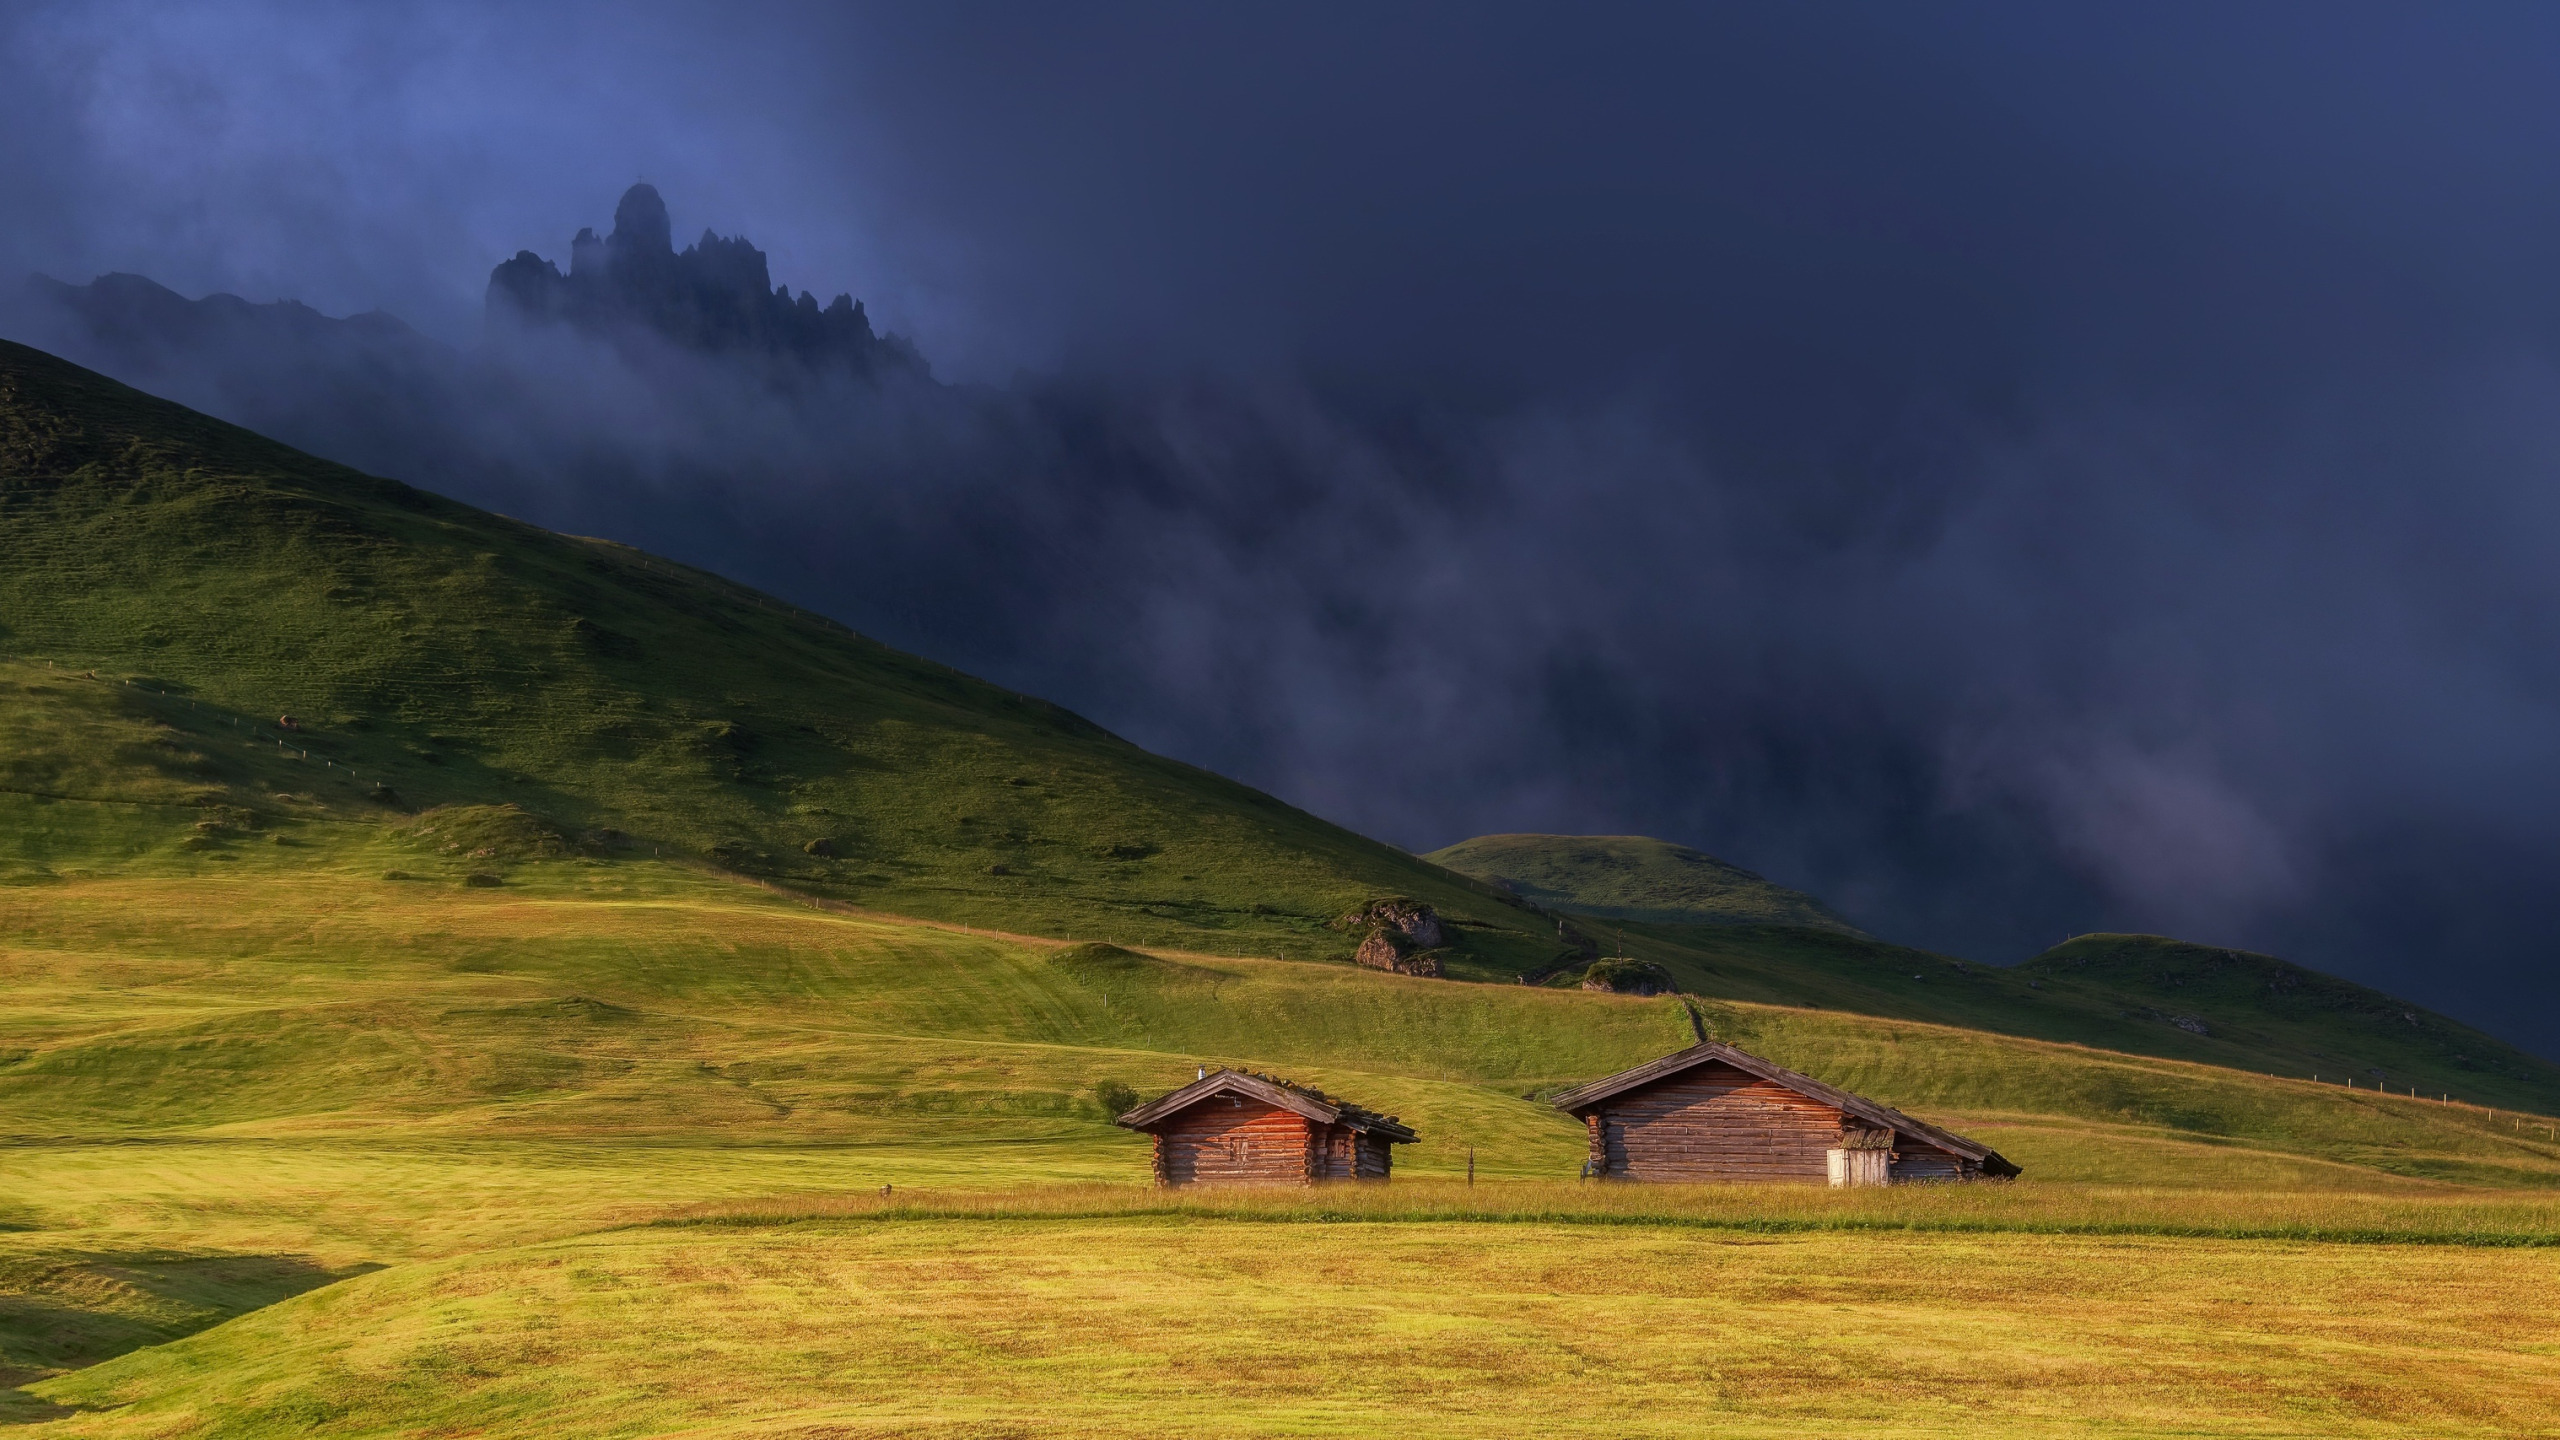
(1234, 1128)
(1712, 1112)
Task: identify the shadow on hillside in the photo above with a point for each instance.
(72, 1309)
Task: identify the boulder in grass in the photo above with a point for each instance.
(1410, 919)
(1389, 950)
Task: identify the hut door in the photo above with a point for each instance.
(1859, 1167)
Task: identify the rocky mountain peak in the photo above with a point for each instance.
(716, 296)
(640, 223)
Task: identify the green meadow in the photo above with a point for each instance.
(620, 1004)
(298, 1149)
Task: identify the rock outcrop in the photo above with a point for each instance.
(1400, 934)
(1410, 918)
(1388, 950)
(715, 296)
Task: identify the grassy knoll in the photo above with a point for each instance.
(1155, 1325)
(1633, 877)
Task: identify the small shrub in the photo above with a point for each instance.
(482, 879)
(398, 875)
(1116, 1099)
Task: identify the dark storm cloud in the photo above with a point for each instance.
(2013, 472)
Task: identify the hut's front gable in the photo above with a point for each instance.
(1713, 1122)
(1233, 1139)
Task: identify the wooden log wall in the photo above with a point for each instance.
(1373, 1158)
(1338, 1158)
(1220, 1143)
(1916, 1161)
(1716, 1123)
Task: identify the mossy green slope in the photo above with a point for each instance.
(454, 656)
(1633, 877)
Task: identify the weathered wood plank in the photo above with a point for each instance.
(1248, 1142)
(1715, 1122)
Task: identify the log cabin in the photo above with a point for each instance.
(1712, 1112)
(1230, 1127)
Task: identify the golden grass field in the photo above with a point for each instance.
(1164, 1325)
(298, 1150)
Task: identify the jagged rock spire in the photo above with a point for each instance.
(710, 297)
(640, 223)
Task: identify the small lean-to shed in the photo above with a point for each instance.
(1230, 1127)
(1712, 1112)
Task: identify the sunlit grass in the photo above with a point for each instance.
(1183, 1324)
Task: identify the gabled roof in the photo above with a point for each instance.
(1304, 1100)
(1586, 1098)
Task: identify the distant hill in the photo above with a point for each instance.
(2268, 1004)
(1721, 931)
(1634, 877)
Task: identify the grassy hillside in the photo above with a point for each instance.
(1633, 877)
(634, 1001)
(217, 582)
(2253, 1013)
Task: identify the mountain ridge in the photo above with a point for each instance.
(715, 296)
